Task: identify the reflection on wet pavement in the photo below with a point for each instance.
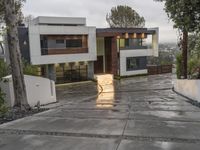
(106, 91)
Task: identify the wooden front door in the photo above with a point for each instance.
(98, 65)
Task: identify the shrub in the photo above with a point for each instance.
(194, 68)
(4, 71)
(3, 108)
(29, 69)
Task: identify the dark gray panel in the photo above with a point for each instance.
(24, 43)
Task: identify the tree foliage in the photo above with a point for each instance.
(186, 17)
(124, 17)
(194, 45)
(184, 13)
(18, 5)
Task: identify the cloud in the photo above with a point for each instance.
(95, 11)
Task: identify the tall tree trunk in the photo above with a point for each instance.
(185, 53)
(1, 45)
(15, 55)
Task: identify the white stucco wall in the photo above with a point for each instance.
(188, 88)
(59, 20)
(37, 88)
(35, 50)
(131, 53)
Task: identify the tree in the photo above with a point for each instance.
(186, 17)
(27, 19)
(124, 17)
(10, 9)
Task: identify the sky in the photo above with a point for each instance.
(95, 12)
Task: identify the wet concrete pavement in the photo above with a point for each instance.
(140, 113)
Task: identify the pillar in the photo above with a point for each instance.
(91, 70)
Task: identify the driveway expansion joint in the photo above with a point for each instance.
(117, 137)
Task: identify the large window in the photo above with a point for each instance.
(73, 43)
(136, 63)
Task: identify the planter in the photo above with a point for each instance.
(39, 90)
(188, 88)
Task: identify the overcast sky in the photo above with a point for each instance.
(95, 11)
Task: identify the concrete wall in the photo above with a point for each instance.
(59, 20)
(35, 50)
(38, 89)
(188, 88)
(131, 53)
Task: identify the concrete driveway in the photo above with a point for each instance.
(140, 113)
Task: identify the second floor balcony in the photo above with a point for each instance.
(131, 44)
(69, 44)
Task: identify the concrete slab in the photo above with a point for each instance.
(55, 124)
(172, 103)
(152, 107)
(33, 142)
(101, 113)
(163, 129)
(156, 145)
(96, 106)
(166, 115)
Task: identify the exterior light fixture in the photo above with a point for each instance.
(57, 65)
(126, 36)
(143, 35)
(134, 35)
(118, 37)
(25, 43)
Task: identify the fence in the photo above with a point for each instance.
(159, 69)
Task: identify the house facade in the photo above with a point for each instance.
(67, 50)
(63, 48)
(124, 51)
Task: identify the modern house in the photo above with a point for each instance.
(124, 51)
(66, 50)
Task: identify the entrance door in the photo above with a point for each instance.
(98, 65)
(108, 55)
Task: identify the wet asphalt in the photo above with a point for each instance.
(141, 113)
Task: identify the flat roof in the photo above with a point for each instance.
(59, 20)
(116, 31)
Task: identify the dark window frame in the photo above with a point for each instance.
(136, 63)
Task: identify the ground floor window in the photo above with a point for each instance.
(72, 72)
(136, 63)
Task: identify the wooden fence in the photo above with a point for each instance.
(159, 69)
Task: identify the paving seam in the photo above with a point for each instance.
(140, 90)
(112, 118)
(127, 119)
(68, 134)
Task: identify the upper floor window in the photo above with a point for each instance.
(74, 43)
(60, 41)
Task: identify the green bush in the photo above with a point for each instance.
(194, 68)
(4, 71)
(29, 69)
(179, 65)
(3, 108)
